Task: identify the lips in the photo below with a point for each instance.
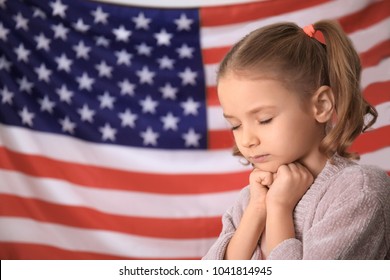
(259, 158)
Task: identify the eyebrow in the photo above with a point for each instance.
(250, 112)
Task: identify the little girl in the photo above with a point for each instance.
(292, 97)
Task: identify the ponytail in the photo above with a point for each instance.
(344, 71)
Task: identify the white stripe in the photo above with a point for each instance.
(377, 73)
(379, 158)
(367, 38)
(383, 115)
(227, 35)
(210, 71)
(175, 3)
(215, 119)
(114, 201)
(125, 158)
(99, 241)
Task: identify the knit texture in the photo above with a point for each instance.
(345, 214)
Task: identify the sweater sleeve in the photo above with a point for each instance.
(230, 222)
(352, 227)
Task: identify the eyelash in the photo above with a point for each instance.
(266, 121)
(261, 122)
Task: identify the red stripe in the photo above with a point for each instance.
(374, 55)
(362, 19)
(100, 177)
(83, 217)
(377, 93)
(214, 55)
(222, 15)
(220, 139)
(372, 140)
(28, 251)
(212, 96)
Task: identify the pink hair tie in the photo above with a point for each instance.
(312, 33)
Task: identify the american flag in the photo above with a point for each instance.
(112, 140)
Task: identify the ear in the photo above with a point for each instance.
(323, 104)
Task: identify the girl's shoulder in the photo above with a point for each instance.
(368, 180)
(344, 179)
(366, 176)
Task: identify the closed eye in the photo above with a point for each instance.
(235, 127)
(267, 121)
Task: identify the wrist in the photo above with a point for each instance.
(257, 206)
(279, 209)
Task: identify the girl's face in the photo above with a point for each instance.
(271, 125)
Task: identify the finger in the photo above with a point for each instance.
(294, 167)
(261, 177)
(267, 179)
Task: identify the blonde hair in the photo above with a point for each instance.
(304, 64)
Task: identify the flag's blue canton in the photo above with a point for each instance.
(103, 73)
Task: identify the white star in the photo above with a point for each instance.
(27, 117)
(144, 49)
(4, 63)
(46, 104)
(39, 13)
(128, 118)
(43, 73)
(149, 137)
(58, 8)
(106, 101)
(108, 132)
(2, 3)
(166, 62)
(102, 41)
(145, 76)
(22, 53)
(183, 23)
(67, 125)
(60, 31)
(191, 138)
(82, 51)
(148, 105)
(126, 87)
(25, 85)
(85, 82)
(141, 22)
(42, 42)
(190, 107)
(185, 51)
(122, 34)
(3, 32)
(21, 22)
(86, 114)
(170, 121)
(81, 26)
(168, 91)
(104, 70)
(99, 16)
(188, 77)
(6, 96)
(163, 38)
(123, 57)
(65, 94)
(63, 63)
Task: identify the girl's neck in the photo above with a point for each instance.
(315, 162)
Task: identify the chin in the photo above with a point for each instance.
(268, 167)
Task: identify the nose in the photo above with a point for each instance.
(249, 138)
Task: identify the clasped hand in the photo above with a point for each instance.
(282, 189)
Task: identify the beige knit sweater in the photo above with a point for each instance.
(345, 214)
